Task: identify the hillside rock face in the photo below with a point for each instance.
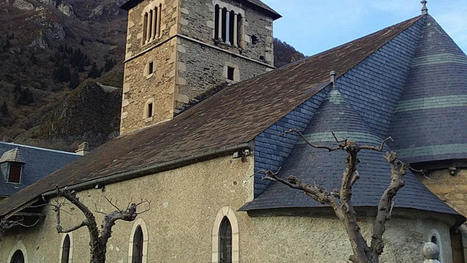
(49, 47)
(91, 113)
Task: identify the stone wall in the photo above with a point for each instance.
(453, 190)
(139, 88)
(185, 203)
(201, 68)
(197, 21)
(169, 20)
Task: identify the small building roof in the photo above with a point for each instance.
(38, 162)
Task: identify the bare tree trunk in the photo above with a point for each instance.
(97, 238)
(341, 201)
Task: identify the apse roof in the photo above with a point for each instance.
(219, 122)
(324, 168)
(430, 121)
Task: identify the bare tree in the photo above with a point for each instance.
(98, 237)
(340, 200)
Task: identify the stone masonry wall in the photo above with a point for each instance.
(201, 68)
(451, 189)
(197, 21)
(180, 222)
(139, 88)
(169, 20)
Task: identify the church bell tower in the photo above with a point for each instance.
(179, 49)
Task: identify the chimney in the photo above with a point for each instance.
(83, 149)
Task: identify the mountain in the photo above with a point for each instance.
(61, 74)
(285, 53)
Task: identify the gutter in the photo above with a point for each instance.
(154, 168)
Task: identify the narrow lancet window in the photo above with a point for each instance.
(17, 257)
(66, 250)
(138, 246)
(145, 25)
(224, 24)
(225, 241)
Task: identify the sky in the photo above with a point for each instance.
(312, 26)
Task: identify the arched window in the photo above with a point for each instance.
(66, 249)
(17, 257)
(228, 26)
(225, 241)
(435, 237)
(152, 23)
(137, 246)
(225, 237)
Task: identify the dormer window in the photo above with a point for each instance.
(12, 166)
(152, 24)
(14, 175)
(228, 25)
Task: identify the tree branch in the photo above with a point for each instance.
(374, 148)
(398, 171)
(299, 133)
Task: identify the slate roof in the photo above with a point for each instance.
(320, 167)
(254, 3)
(430, 121)
(38, 162)
(233, 116)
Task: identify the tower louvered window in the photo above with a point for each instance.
(152, 24)
(227, 26)
(225, 241)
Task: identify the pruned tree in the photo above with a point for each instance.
(341, 200)
(98, 236)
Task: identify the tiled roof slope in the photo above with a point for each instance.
(430, 121)
(325, 169)
(38, 162)
(231, 117)
(256, 3)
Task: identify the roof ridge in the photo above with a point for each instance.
(38, 148)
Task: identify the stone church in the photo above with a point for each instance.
(204, 111)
